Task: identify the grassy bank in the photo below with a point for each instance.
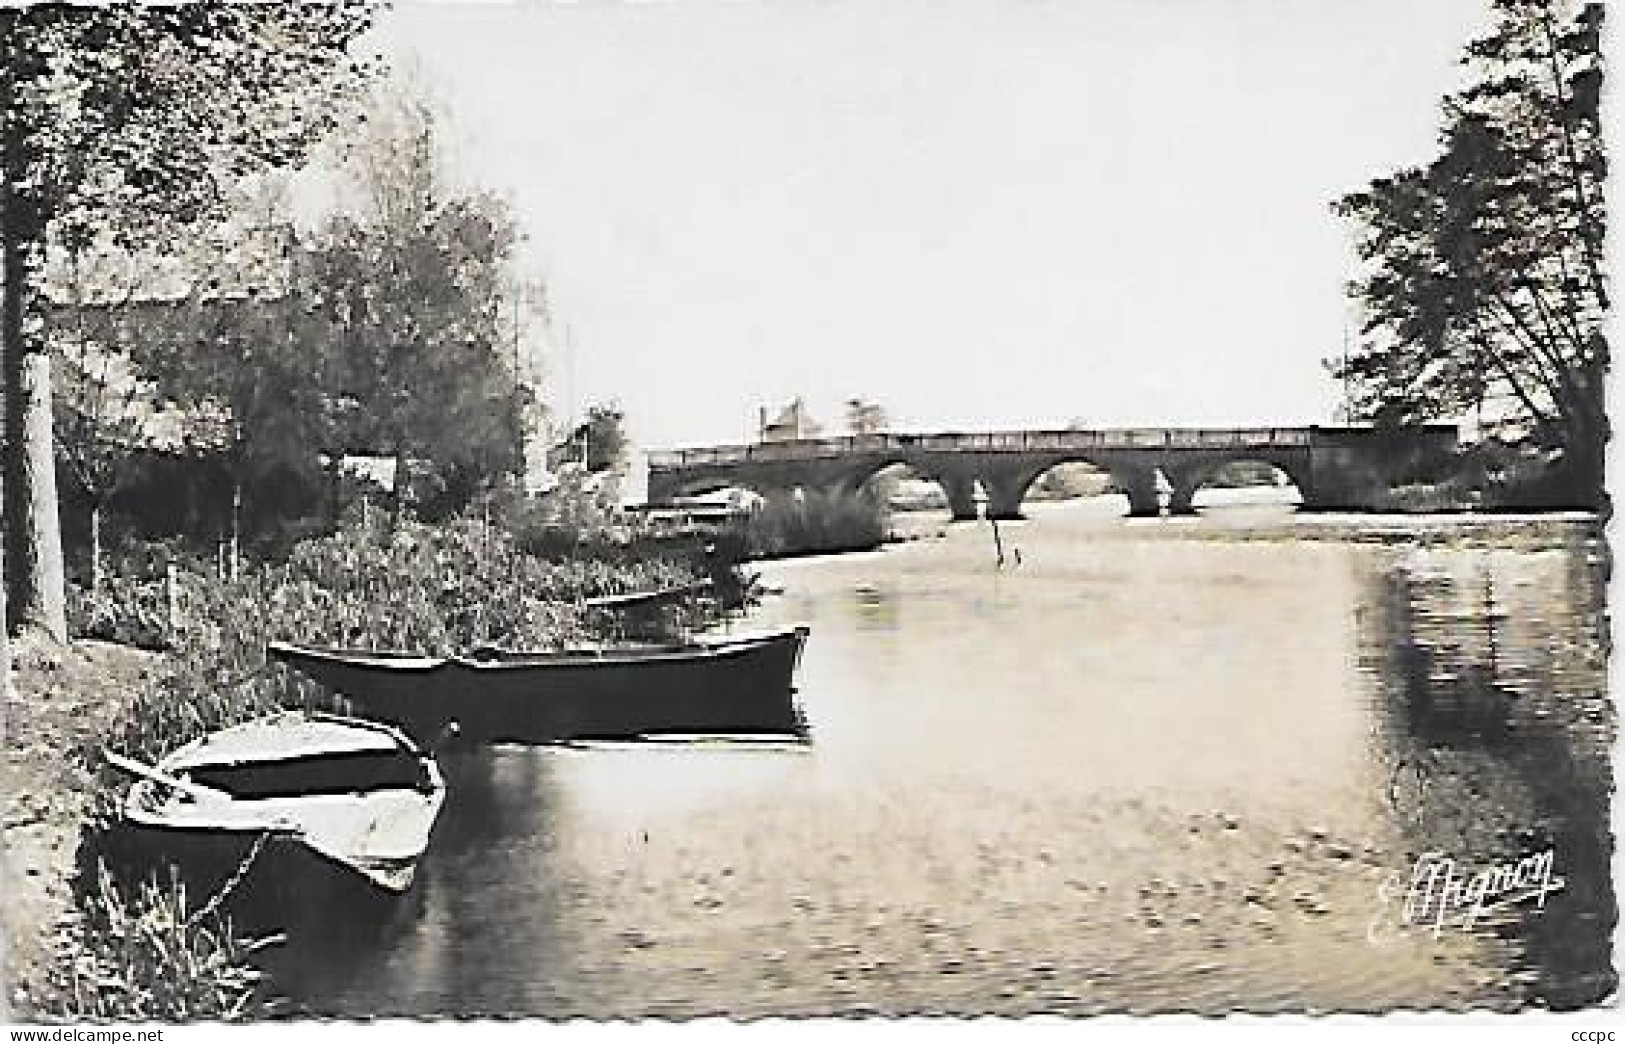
(430, 589)
(147, 952)
(134, 947)
(1517, 494)
(61, 702)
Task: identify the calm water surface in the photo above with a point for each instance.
(1161, 765)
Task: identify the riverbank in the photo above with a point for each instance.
(63, 701)
(1282, 520)
(1104, 519)
(85, 945)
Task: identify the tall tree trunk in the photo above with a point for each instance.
(403, 478)
(1585, 460)
(38, 595)
(5, 639)
(95, 548)
(234, 557)
(41, 587)
(334, 488)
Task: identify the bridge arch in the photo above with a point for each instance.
(959, 489)
(1075, 478)
(1136, 481)
(899, 481)
(959, 486)
(1233, 471)
(866, 471)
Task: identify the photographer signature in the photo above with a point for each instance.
(1440, 892)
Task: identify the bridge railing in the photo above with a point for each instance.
(989, 442)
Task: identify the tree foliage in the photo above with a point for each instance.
(385, 332)
(122, 118)
(1482, 272)
(410, 299)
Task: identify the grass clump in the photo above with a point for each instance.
(140, 953)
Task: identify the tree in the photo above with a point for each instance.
(865, 418)
(235, 355)
(1482, 276)
(411, 298)
(145, 112)
(105, 411)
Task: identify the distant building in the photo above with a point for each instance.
(792, 422)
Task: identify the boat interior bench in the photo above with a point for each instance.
(346, 772)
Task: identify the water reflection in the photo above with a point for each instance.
(493, 846)
(1155, 768)
(875, 609)
(1500, 729)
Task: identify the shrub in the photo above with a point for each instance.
(1425, 498)
(126, 610)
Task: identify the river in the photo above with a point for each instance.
(1159, 765)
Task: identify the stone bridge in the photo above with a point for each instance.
(1334, 468)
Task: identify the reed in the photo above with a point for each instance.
(815, 522)
(142, 954)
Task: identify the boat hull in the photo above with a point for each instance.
(283, 816)
(271, 882)
(740, 687)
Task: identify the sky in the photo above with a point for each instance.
(980, 215)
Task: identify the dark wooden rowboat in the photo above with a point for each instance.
(735, 686)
